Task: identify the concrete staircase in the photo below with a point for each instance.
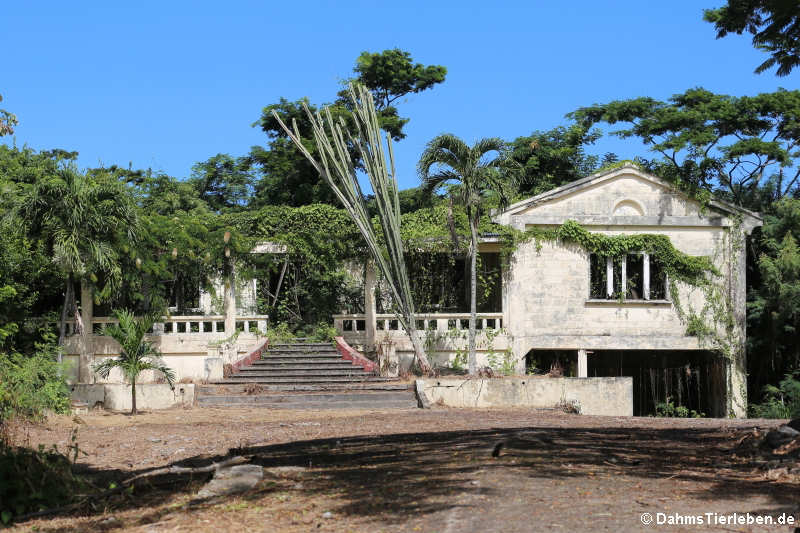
(306, 376)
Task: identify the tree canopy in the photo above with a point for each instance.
(774, 25)
(708, 141)
(286, 177)
(549, 159)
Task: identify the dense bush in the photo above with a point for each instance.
(670, 410)
(782, 401)
(31, 385)
(33, 479)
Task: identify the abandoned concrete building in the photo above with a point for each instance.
(600, 317)
(552, 306)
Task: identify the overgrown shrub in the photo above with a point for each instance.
(32, 479)
(782, 401)
(31, 385)
(322, 332)
(280, 333)
(670, 410)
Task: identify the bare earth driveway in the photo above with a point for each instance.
(439, 470)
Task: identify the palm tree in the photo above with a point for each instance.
(82, 220)
(136, 354)
(448, 159)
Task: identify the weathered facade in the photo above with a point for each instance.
(611, 315)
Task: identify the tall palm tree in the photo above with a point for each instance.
(82, 219)
(478, 176)
(136, 354)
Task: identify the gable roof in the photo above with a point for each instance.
(610, 174)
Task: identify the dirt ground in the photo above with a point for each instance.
(422, 470)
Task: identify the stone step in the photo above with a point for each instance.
(295, 353)
(298, 380)
(259, 372)
(345, 400)
(302, 359)
(237, 387)
(340, 363)
(300, 348)
(402, 404)
(302, 344)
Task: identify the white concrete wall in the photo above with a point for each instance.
(595, 396)
(548, 295)
(117, 397)
(618, 197)
(191, 356)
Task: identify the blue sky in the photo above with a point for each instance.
(167, 84)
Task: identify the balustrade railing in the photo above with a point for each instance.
(357, 323)
(190, 324)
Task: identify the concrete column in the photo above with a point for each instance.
(86, 358)
(369, 303)
(230, 303)
(388, 363)
(583, 364)
(737, 369)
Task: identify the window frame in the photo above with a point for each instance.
(610, 294)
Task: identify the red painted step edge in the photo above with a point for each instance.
(248, 359)
(349, 353)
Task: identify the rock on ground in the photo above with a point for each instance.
(232, 480)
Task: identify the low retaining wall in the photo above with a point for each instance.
(596, 396)
(117, 396)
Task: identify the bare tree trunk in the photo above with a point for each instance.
(419, 350)
(133, 396)
(451, 224)
(473, 311)
(68, 297)
(280, 282)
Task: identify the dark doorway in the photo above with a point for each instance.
(693, 379)
(545, 361)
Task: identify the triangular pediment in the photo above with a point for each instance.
(623, 194)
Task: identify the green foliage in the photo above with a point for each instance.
(136, 354)
(477, 175)
(549, 159)
(669, 410)
(31, 385)
(320, 239)
(782, 401)
(707, 140)
(459, 362)
(322, 332)
(679, 266)
(287, 177)
(502, 362)
(82, 219)
(280, 333)
(223, 182)
(7, 328)
(773, 309)
(389, 76)
(774, 25)
(7, 121)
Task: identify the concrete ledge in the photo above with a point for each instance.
(596, 396)
(117, 396)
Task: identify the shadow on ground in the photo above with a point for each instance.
(401, 475)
